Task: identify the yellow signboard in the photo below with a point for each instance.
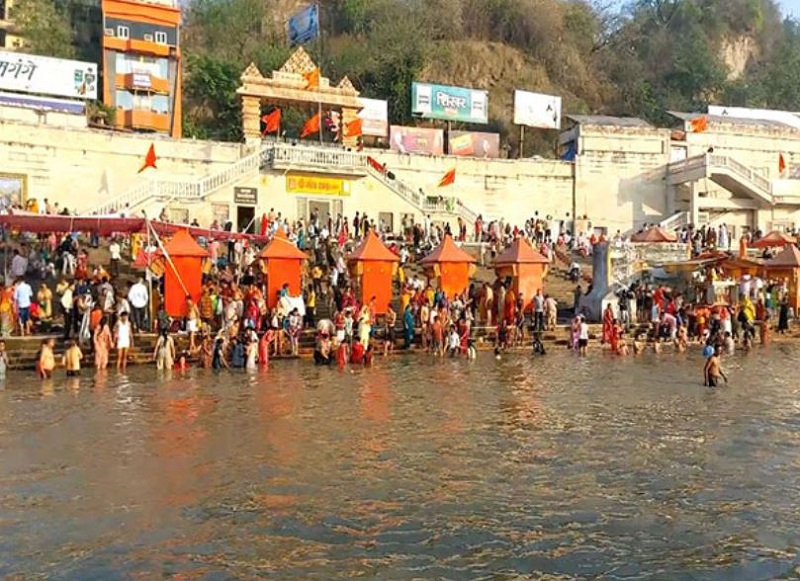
(314, 185)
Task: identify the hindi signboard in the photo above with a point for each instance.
(374, 117)
(449, 103)
(474, 144)
(304, 26)
(537, 110)
(245, 196)
(314, 185)
(27, 73)
(425, 140)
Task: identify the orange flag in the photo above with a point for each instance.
(353, 129)
(448, 178)
(149, 159)
(699, 124)
(311, 126)
(781, 164)
(312, 79)
(272, 122)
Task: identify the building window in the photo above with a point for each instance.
(161, 38)
(2, 38)
(123, 32)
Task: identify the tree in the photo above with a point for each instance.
(210, 87)
(44, 27)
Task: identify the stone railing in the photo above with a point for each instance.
(331, 159)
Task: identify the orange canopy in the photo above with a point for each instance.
(654, 234)
(182, 244)
(281, 247)
(520, 252)
(773, 239)
(372, 249)
(788, 258)
(447, 251)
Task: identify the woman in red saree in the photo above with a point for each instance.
(608, 323)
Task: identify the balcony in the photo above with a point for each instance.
(141, 119)
(333, 160)
(142, 82)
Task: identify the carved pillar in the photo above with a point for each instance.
(349, 114)
(251, 118)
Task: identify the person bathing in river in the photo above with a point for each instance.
(713, 369)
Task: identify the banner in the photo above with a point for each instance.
(314, 185)
(537, 110)
(416, 140)
(27, 73)
(474, 144)
(304, 26)
(374, 116)
(449, 103)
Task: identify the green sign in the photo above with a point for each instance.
(449, 103)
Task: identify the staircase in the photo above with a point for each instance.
(185, 190)
(724, 171)
(449, 206)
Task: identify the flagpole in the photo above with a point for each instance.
(319, 66)
(521, 141)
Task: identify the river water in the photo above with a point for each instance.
(548, 468)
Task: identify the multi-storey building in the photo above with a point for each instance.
(9, 39)
(142, 64)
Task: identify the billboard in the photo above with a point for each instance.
(304, 26)
(474, 144)
(537, 110)
(374, 117)
(315, 185)
(449, 103)
(423, 140)
(27, 73)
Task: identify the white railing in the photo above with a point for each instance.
(409, 194)
(742, 171)
(688, 164)
(675, 221)
(175, 189)
(326, 158)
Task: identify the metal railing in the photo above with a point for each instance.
(181, 189)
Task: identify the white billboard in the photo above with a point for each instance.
(27, 73)
(374, 117)
(537, 110)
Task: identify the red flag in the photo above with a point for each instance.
(312, 79)
(699, 124)
(311, 126)
(149, 159)
(448, 178)
(353, 129)
(781, 164)
(376, 165)
(272, 122)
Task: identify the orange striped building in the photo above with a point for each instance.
(142, 64)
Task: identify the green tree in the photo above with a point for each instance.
(210, 86)
(45, 28)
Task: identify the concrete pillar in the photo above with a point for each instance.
(694, 205)
(251, 117)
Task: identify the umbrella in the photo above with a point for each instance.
(773, 239)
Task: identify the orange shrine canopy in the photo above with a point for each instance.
(654, 234)
(788, 258)
(182, 244)
(772, 239)
(447, 251)
(281, 247)
(372, 249)
(520, 252)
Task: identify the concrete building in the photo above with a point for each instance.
(9, 39)
(141, 66)
(625, 173)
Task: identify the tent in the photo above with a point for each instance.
(283, 263)
(656, 234)
(773, 239)
(373, 266)
(184, 275)
(451, 266)
(526, 267)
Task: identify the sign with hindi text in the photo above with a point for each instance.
(449, 103)
(474, 144)
(245, 196)
(422, 140)
(315, 185)
(27, 73)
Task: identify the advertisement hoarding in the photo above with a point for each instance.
(314, 185)
(537, 110)
(374, 117)
(423, 140)
(27, 73)
(449, 103)
(474, 144)
(304, 25)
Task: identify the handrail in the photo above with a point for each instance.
(675, 221)
(318, 157)
(414, 197)
(185, 189)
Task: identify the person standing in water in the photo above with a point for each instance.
(123, 339)
(713, 369)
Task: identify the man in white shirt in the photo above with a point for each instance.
(138, 298)
(23, 295)
(116, 255)
(19, 264)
